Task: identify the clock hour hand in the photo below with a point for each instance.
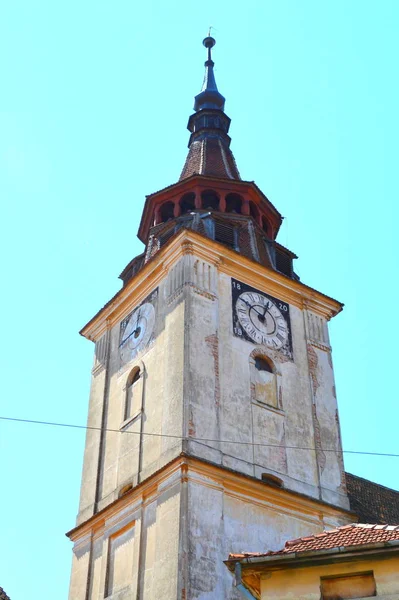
(263, 317)
(125, 340)
(132, 332)
(129, 336)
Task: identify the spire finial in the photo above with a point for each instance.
(209, 43)
(209, 97)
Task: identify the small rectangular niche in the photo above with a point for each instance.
(344, 587)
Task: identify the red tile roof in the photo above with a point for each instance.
(341, 537)
(211, 157)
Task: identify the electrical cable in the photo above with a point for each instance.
(195, 439)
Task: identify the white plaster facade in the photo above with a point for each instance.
(195, 452)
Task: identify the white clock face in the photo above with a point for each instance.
(137, 332)
(262, 321)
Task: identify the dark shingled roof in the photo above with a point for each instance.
(210, 156)
(373, 503)
(3, 595)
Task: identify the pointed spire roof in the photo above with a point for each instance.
(209, 96)
(209, 145)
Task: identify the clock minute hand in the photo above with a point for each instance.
(251, 306)
(125, 340)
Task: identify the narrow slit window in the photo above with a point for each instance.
(133, 394)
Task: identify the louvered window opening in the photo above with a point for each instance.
(225, 234)
(283, 263)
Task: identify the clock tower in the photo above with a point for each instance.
(213, 424)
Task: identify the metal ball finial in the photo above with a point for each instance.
(209, 42)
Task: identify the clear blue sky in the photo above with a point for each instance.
(95, 98)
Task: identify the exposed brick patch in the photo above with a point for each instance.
(313, 362)
(282, 454)
(280, 397)
(320, 454)
(191, 426)
(213, 344)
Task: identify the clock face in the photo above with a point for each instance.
(137, 330)
(261, 318)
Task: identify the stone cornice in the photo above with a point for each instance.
(228, 261)
(247, 488)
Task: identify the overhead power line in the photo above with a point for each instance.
(196, 439)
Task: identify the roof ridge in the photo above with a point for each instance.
(372, 482)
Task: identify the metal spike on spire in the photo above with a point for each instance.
(209, 96)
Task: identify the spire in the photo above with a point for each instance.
(209, 145)
(209, 96)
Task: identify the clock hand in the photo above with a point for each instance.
(137, 329)
(251, 306)
(125, 340)
(132, 332)
(265, 311)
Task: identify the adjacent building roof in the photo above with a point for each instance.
(373, 503)
(3, 595)
(356, 534)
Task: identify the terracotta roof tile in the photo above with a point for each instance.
(343, 537)
(211, 157)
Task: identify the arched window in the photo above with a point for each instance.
(266, 226)
(187, 203)
(134, 393)
(125, 490)
(233, 203)
(210, 200)
(272, 480)
(253, 211)
(264, 381)
(167, 211)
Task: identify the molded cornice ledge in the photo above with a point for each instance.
(229, 262)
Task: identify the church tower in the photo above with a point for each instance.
(213, 422)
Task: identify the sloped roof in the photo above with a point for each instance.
(212, 157)
(3, 595)
(356, 534)
(373, 503)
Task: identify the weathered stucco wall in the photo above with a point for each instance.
(233, 516)
(198, 396)
(128, 454)
(168, 537)
(133, 553)
(264, 439)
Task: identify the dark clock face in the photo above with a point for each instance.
(260, 318)
(137, 329)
